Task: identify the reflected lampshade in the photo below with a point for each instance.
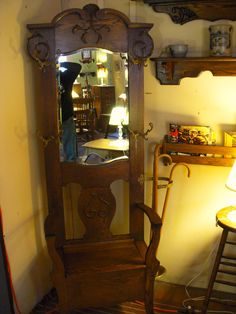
(119, 117)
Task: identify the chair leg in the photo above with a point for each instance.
(62, 300)
(149, 292)
(214, 271)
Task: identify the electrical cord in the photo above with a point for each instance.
(195, 277)
(201, 298)
(8, 267)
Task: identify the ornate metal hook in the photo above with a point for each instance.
(143, 135)
(45, 140)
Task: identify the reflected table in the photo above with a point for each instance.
(107, 148)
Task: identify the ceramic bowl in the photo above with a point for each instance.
(178, 50)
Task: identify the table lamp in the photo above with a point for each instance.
(119, 117)
(231, 185)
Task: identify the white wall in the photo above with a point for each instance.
(189, 235)
(22, 193)
(189, 232)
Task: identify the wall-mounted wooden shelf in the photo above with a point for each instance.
(183, 11)
(169, 71)
(201, 154)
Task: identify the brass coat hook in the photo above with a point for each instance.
(143, 135)
(47, 139)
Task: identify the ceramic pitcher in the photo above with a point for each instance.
(220, 40)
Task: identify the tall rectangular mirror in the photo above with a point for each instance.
(93, 105)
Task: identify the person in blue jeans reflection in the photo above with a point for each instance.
(68, 73)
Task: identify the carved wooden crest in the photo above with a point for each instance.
(91, 27)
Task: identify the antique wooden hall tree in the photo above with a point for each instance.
(98, 269)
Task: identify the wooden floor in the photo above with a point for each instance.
(169, 298)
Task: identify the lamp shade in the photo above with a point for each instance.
(231, 181)
(74, 94)
(119, 116)
(102, 72)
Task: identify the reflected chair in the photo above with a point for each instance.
(85, 118)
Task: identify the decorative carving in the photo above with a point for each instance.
(78, 28)
(183, 11)
(92, 28)
(141, 47)
(96, 208)
(181, 15)
(89, 25)
(39, 50)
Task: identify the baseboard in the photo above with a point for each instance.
(171, 294)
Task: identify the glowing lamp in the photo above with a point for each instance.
(74, 94)
(101, 73)
(231, 185)
(119, 117)
(231, 181)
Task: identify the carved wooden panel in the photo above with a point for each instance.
(96, 203)
(183, 11)
(96, 208)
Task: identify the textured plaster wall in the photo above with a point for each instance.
(189, 232)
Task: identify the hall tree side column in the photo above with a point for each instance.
(41, 46)
(140, 47)
(136, 148)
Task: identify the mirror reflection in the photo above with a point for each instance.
(93, 106)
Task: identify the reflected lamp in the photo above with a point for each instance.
(74, 94)
(119, 117)
(101, 73)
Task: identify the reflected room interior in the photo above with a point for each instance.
(100, 105)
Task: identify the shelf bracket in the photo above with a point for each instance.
(181, 11)
(170, 71)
